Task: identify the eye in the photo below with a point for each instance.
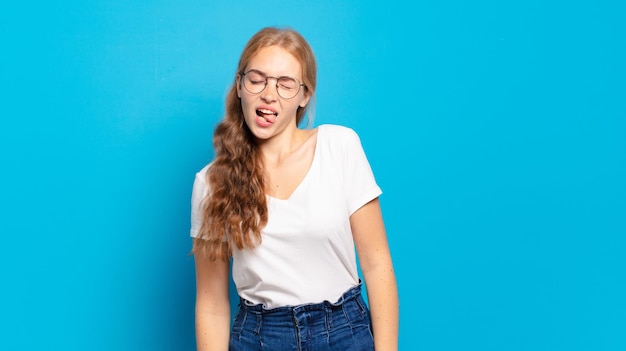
(255, 77)
(287, 83)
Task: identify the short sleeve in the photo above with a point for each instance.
(359, 182)
(198, 194)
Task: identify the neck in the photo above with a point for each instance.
(276, 149)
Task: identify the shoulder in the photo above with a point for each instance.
(335, 130)
(201, 174)
(200, 183)
(338, 135)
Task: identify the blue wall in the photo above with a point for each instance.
(496, 130)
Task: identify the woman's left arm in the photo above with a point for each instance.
(370, 238)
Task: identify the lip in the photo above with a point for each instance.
(269, 108)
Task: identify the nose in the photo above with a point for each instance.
(270, 92)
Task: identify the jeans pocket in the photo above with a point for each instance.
(357, 312)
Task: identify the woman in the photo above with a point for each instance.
(289, 205)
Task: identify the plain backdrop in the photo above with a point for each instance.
(497, 131)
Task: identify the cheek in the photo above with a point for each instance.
(291, 108)
(245, 104)
(248, 107)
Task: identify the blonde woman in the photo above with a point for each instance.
(287, 206)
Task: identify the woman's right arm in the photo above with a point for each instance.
(212, 304)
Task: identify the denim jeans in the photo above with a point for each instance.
(344, 326)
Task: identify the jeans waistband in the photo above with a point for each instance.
(325, 305)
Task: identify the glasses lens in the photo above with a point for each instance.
(287, 87)
(254, 81)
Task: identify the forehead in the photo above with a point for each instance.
(275, 61)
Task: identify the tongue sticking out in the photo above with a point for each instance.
(268, 115)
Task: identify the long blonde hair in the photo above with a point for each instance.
(235, 210)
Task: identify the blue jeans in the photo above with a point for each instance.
(344, 325)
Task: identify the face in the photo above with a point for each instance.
(267, 114)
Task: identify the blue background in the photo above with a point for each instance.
(497, 131)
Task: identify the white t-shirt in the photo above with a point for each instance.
(307, 251)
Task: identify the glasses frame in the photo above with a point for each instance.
(243, 74)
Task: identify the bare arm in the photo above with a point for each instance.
(212, 304)
(370, 239)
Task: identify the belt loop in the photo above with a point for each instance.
(329, 317)
(259, 323)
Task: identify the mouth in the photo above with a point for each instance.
(268, 116)
(261, 112)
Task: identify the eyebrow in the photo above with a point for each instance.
(268, 75)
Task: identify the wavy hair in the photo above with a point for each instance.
(235, 210)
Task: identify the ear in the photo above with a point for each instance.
(305, 101)
(238, 81)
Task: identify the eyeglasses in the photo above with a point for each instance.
(255, 82)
